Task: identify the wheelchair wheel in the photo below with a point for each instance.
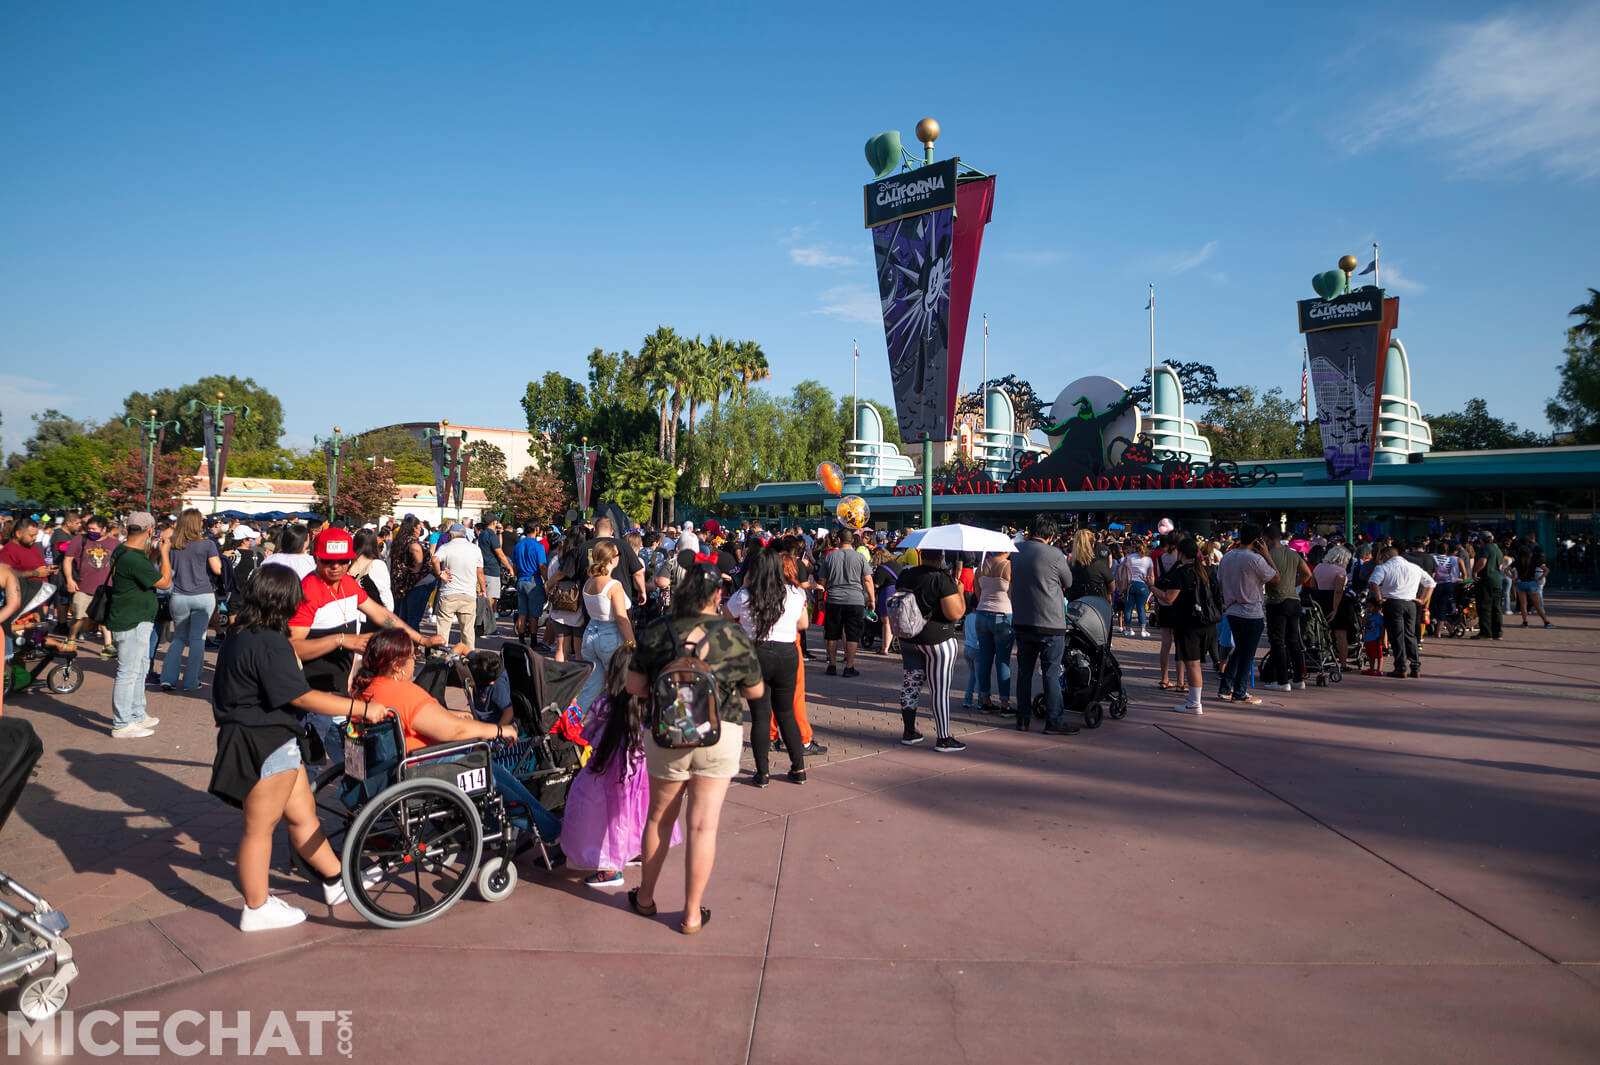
(1117, 704)
(497, 879)
(412, 852)
(64, 679)
(1092, 715)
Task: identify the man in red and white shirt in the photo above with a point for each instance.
(326, 631)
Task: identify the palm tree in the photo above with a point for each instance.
(1589, 328)
(724, 355)
(750, 363)
(657, 358)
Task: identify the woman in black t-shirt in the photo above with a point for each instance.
(1183, 590)
(259, 696)
(931, 654)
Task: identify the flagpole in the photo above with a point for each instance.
(855, 386)
(1377, 281)
(1152, 310)
(983, 386)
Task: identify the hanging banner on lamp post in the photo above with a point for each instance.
(927, 230)
(436, 448)
(583, 464)
(461, 479)
(1347, 342)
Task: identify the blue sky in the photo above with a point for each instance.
(406, 211)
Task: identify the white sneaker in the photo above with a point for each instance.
(274, 913)
(334, 894)
(1298, 685)
(1276, 687)
(1185, 708)
(131, 732)
(1145, 633)
(149, 722)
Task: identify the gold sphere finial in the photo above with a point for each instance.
(152, 412)
(444, 421)
(219, 395)
(928, 130)
(1349, 263)
(336, 428)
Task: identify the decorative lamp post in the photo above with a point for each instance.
(152, 431)
(335, 447)
(584, 460)
(211, 415)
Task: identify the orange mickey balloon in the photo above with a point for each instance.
(830, 478)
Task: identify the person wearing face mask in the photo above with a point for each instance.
(86, 562)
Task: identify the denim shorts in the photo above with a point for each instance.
(282, 760)
(1528, 587)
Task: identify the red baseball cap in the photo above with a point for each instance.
(333, 545)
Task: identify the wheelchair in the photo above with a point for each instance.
(416, 830)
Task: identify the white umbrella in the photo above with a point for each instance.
(960, 538)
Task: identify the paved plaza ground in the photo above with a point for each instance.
(1377, 871)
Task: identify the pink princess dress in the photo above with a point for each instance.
(603, 824)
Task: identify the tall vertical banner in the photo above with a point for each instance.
(221, 467)
(452, 481)
(1347, 342)
(436, 448)
(208, 431)
(926, 235)
(583, 463)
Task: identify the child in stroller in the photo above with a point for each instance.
(1091, 677)
(32, 936)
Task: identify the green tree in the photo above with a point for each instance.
(260, 430)
(1576, 405)
(812, 430)
(637, 477)
(486, 465)
(750, 364)
(69, 474)
(1473, 428)
(287, 463)
(556, 408)
(1254, 426)
(657, 356)
(616, 378)
(51, 430)
(408, 460)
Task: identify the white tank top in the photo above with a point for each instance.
(600, 606)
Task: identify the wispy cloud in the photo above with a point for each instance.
(806, 252)
(819, 256)
(1509, 91)
(1197, 258)
(1392, 278)
(23, 398)
(852, 303)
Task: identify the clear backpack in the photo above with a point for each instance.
(683, 699)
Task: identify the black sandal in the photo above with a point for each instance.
(633, 900)
(705, 919)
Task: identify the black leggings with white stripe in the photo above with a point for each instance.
(934, 663)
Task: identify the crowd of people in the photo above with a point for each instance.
(320, 620)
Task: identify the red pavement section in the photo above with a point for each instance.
(1381, 870)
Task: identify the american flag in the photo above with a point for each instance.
(1305, 410)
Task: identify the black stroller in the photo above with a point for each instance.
(1091, 677)
(547, 759)
(32, 939)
